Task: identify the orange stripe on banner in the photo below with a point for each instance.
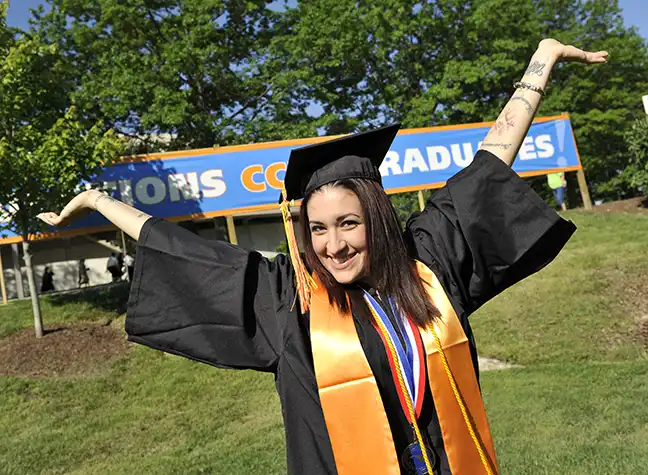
(229, 149)
(475, 125)
(572, 168)
(11, 240)
(59, 234)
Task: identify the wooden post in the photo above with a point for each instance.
(580, 174)
(582, 185)
(2, 281)
(231, 230)
(421, 200)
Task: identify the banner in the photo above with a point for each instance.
(248, 178)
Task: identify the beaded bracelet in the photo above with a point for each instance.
(528, 85)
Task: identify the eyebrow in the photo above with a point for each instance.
(339, 218)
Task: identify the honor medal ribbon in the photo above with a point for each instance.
(407, 369)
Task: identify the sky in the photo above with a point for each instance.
(635, 12)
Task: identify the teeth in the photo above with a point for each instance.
(341, 261)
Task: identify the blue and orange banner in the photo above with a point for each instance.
(247, 178)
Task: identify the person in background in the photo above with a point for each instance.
(558, 186)
(129, 263)
(120, 261)
(83, 273)
(113, 267)
(48, 280)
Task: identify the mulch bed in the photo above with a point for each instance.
(633, 205)
(83, 349)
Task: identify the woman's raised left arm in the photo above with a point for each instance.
(506, 136)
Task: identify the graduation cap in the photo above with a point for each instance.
(351, 156)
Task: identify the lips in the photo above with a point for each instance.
(341, 264)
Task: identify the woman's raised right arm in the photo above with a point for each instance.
(125, 217)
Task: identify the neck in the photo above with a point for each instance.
(367, 284)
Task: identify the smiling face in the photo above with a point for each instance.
(338, 232)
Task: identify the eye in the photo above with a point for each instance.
(316, 229)
(349, 224)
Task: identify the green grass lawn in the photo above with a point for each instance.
(571, 418)
(581, 308)
(577, 406)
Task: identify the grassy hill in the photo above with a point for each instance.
(576, 406)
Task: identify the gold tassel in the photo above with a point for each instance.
(305, 282)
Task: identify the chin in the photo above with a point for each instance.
(345, 277)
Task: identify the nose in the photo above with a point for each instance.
(335, 245)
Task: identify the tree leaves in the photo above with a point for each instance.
(46, 146)
(189, 68)
(636, 173)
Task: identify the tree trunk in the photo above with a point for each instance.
(38, 321)
(20, 290)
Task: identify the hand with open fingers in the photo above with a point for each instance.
(563, 52)
(80, 206)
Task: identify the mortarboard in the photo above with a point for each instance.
(352, 156)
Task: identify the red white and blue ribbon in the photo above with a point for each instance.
(409, 358)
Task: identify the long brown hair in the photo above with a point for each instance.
(389, 264)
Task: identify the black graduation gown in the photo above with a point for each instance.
(216, 303)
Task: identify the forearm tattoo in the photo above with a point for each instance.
(504, 146)
(104, 196)
(536, 67)
(505, 123)
(527, 104)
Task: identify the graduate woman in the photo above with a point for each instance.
(369, 340)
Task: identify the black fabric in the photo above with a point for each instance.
(208, 300)
(352, 156)
(218, 304)
(484, 231)
(349, 166)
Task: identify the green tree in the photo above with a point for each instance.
(454, 61)
(635, 175)
(193, 71)
(46, 146)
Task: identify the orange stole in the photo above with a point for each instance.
(353, 410)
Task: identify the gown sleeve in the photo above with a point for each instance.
(484, 231)
(208, 300)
